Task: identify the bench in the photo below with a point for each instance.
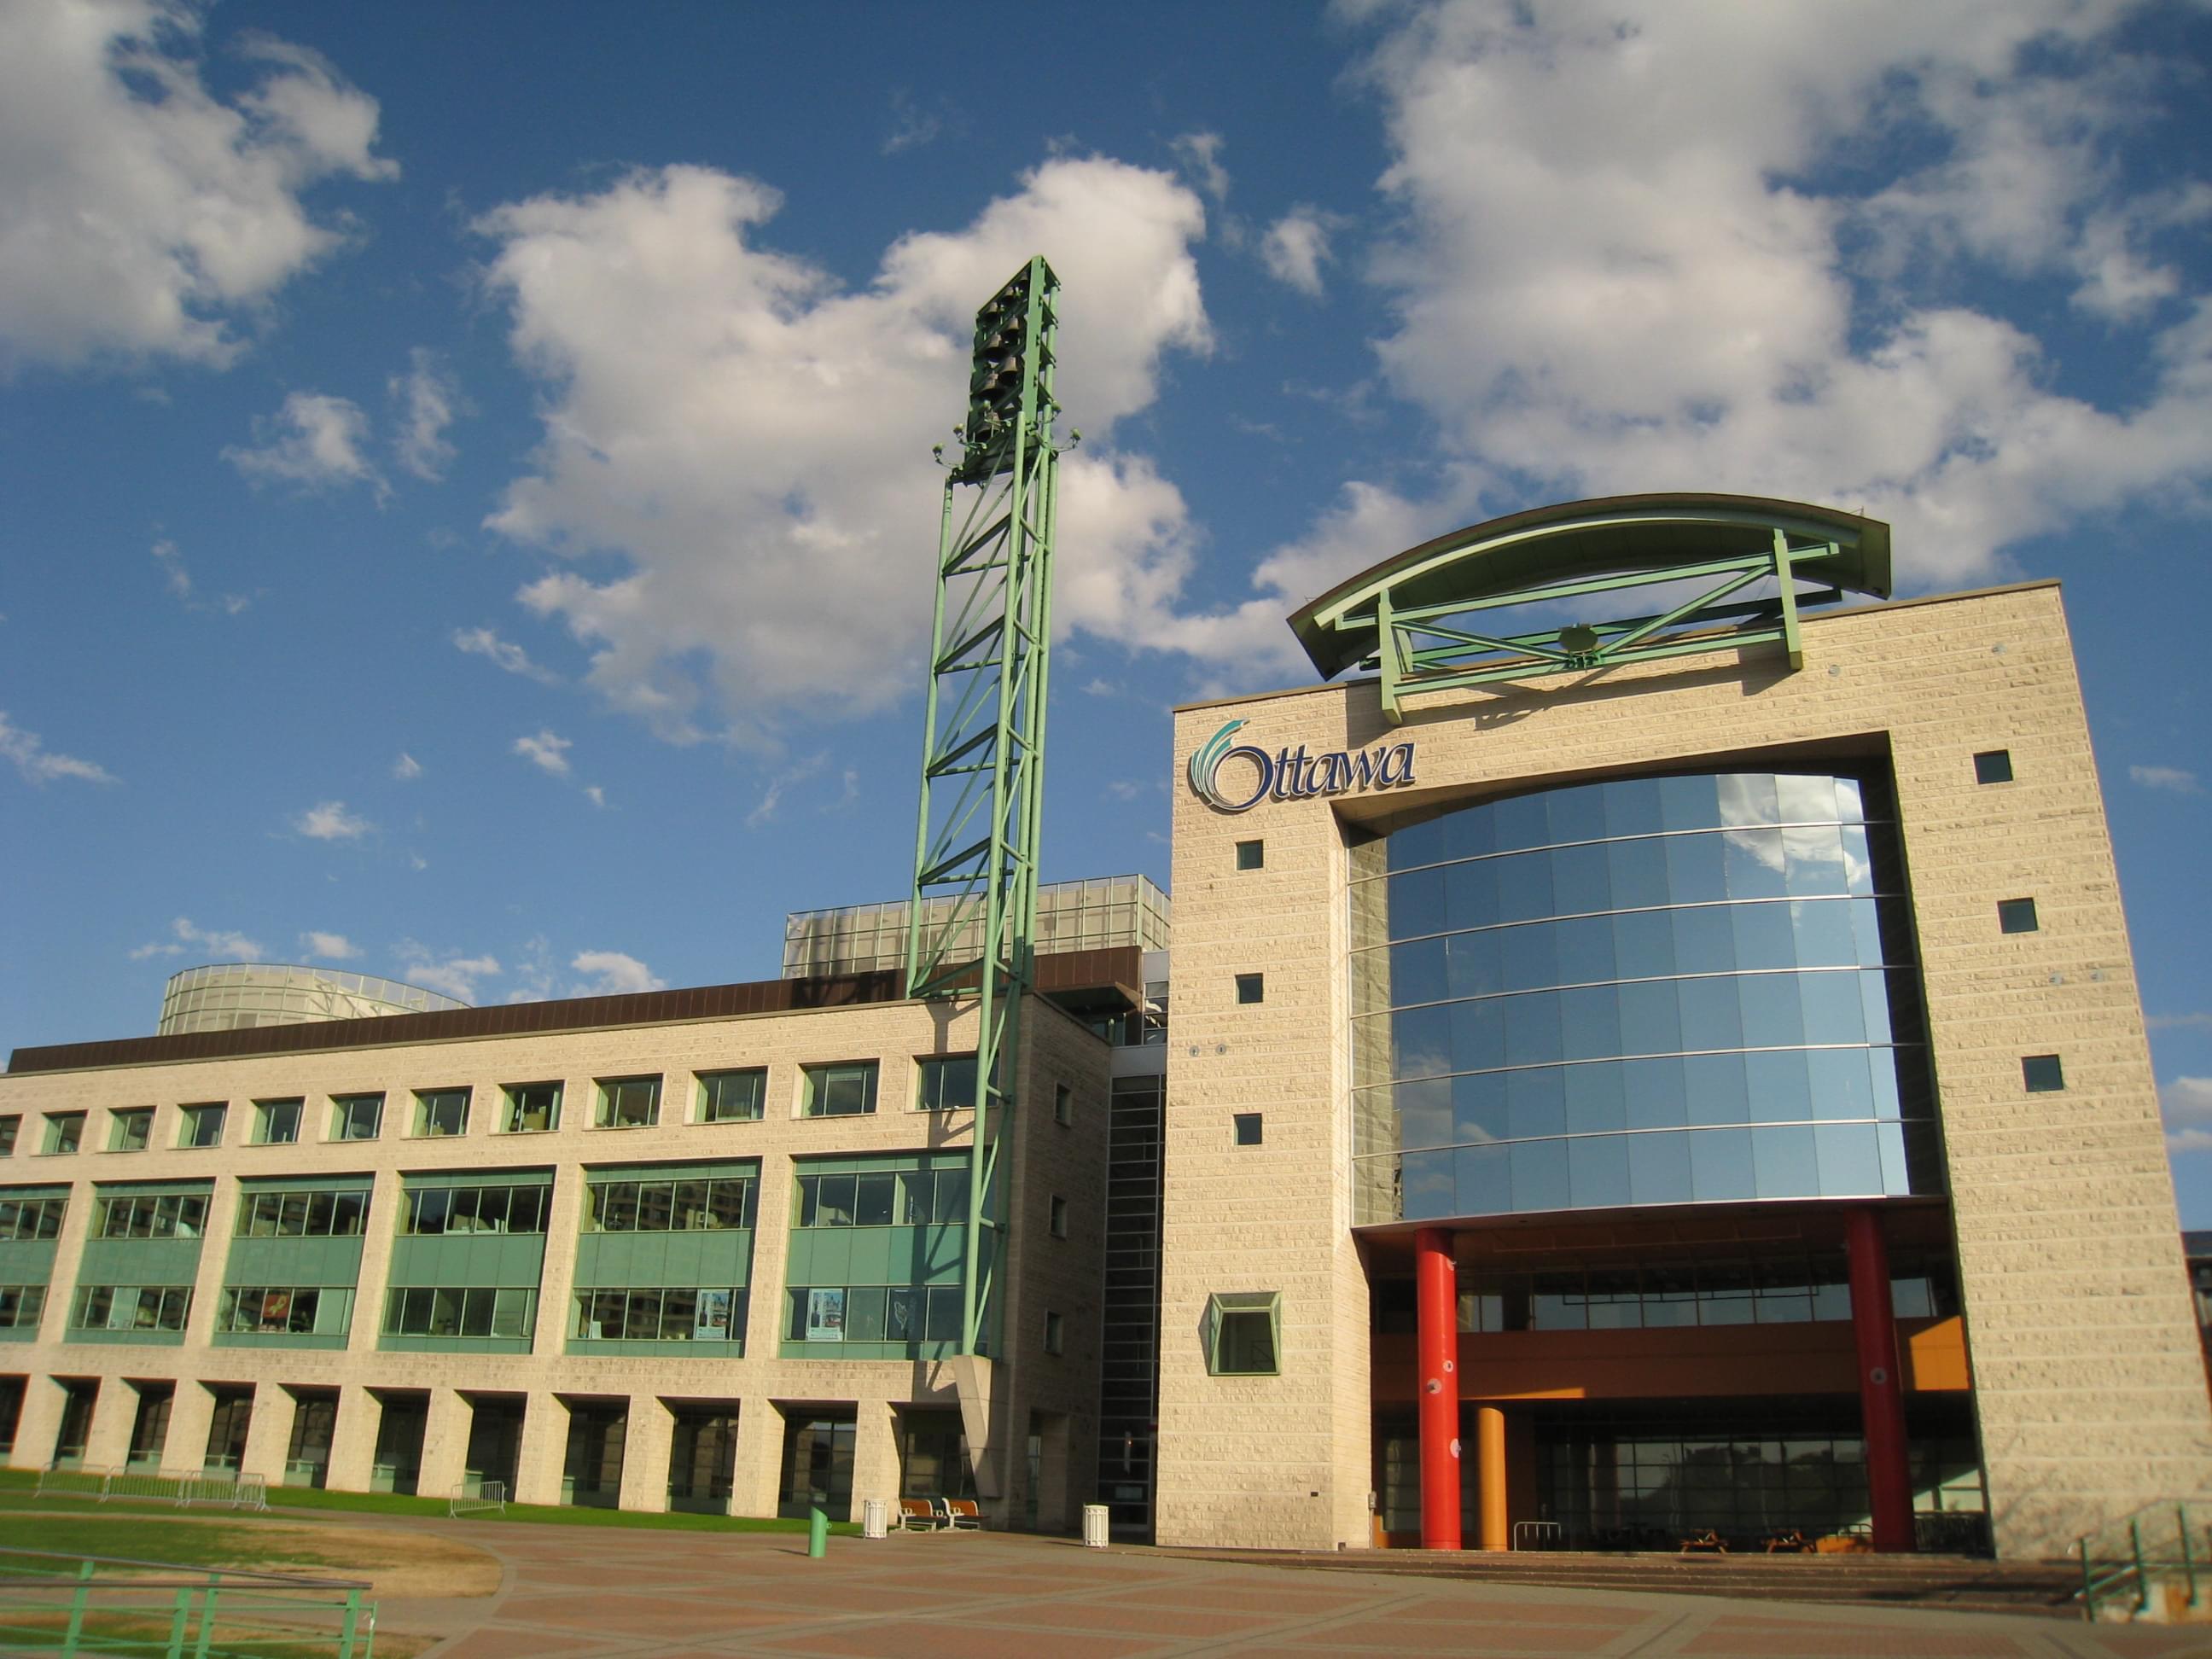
(1708, 1541)
(959, 1514)
(917, 1515)
(1792, 1542)
(489, 1499)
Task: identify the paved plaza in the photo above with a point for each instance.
(586, 1592)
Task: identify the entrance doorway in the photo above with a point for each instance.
(314, 1424)
(494, 1443)
(818, 1461)
(401, 1417)
(79, 1395)
(149, 1428)
(591, 1475)
(702, 1461)
(228, 1428)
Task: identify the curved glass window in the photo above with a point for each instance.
(1656, 991)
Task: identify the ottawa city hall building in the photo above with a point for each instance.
(1626, 1078)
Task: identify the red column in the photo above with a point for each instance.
(1882, 1390)
(1436, 1287)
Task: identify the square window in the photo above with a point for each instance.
(8, 1127)
(275, 1122)
(1248, 1126)
(442, 1112)
(1993, 766)
(732, 1096)
(1251, 855)
(2042, 1073)
(1063, 1104)
(847, 1089)
(2017, 916)
(1055, 1333)
(356, 1117)
(1251, 987)
(948, 1084)
(131, 1131)
(533, 1108)
(65, 1133)
(1243, 1333)
(630, 1102)
(201, 1126)
(1059, 1216)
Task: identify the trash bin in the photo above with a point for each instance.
(875, 1518)
(1094, 1526)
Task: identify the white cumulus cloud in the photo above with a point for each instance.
(428, 399)
(546, 751)
(141, 216)
(1297, 247)
(2186, 1105)
(2172, 778)
(612, 973)
(670, 340)
(449, 972)
(331, 947)
(213, 945)
(40, 764)
(483, 642)
(1725, 247)
(314, 442)
(328, 820)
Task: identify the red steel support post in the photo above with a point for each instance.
(1435, 1285)
(1881, 1389)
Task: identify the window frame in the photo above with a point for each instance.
(427, 1099)
(1063, 1105)
(2043, 1074)
(11, 1130)
(1056, 1216)
(2018, 915)
(1055, 1333)
(814, 1078)
(64, 1135)
(936, 1068)
(1990, 761)
(613, 1092)
(124, 1119)
(266, 1119)
(708, 1103)
(511, 1097)
(1240, 1122)
(341, 1118)
(1251, 989)
(191, 1120)
(1252, 855)
(1222, 1306)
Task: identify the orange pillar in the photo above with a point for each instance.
(1490, 1476)
(1882, 1390)
(1436, 1326)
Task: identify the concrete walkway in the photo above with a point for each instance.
(585, 1592)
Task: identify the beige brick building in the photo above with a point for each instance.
(1568, 980)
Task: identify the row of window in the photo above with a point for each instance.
(904, 1198)
(671, 1314)
(22, 1305)
(658, 1206)
(840, 1089)
(302, 1215)
(873, 1313)
(26, 1218)
(503, 1311)
(169, 1215)
(279, 1309)
(131, 1308)
(437, 1209)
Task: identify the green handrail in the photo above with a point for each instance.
(70, 1604)
(2138, 1568)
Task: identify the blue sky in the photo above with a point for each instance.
(466, 467)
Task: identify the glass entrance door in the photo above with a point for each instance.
(817, 1466)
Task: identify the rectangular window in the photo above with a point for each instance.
(675, 1314)
(948, 1084)
(131, 1307)
(21, 1305)
(131, 1131)
(1055, 1332)
(2042, 1073)
(435, 1210)
(276, 1122)
(277, 1309)
(1243, 1333)
(65, 1133)
(1249, 1128)
(1059, 1216)
(166, 1215)
(1251, 854)
(732, 1096)
(1251, 987)
(1993, 766)
(845, 1090)
(533, 1108)
(448, 1311)
(442, 1112)
(265, 1214)
(630, 1102)
(9, 1126)
(356, 1117)
(1063, 1104)
(715, 1204)
(2017, 916)
(25, 1220)
(201, 1126)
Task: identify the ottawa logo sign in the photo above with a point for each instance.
(1292, 774)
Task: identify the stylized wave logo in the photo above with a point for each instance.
(1206, 760)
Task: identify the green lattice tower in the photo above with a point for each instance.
(971, 925)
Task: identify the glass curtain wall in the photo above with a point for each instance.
(1655, 991)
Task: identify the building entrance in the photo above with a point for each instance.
(818, 1464)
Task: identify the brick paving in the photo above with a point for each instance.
(578, 1593)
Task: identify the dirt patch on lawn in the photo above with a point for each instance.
(409, 1564)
